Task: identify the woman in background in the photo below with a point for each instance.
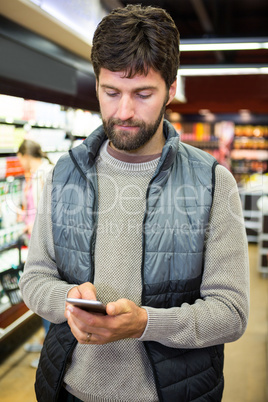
(36, 165)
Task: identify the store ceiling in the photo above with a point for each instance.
(208, 19)
(196, 20)
(219, 18)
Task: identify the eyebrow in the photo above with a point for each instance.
(147, 87)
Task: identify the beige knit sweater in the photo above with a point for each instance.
(120, 371)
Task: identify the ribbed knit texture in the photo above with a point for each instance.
(120, 371)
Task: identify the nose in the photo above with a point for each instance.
(125, 108)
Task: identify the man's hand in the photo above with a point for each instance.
(85, 291)
(124, 319)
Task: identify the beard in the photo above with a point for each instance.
(126, 141)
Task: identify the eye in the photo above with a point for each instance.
(143, 95)
(112, 94)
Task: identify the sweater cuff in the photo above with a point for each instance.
(57, 304)
(159, 320)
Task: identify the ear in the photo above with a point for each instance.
(172, 91)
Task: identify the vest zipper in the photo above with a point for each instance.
(158, 170)
(93, 239)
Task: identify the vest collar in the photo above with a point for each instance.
(171, 147)
(86, 153)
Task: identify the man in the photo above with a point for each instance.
(147, 225)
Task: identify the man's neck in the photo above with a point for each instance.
(131, 157)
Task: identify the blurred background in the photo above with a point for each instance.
(47, 94)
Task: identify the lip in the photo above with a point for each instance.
(127, 128)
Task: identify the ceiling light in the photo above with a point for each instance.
(82, 20)
(226, 70)
(223, 45)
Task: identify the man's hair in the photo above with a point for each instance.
(134, 39)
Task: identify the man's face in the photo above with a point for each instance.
(133, 108)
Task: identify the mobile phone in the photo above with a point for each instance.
(92, 306)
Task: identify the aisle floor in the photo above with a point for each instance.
(246, 375)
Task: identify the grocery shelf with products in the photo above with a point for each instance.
(243, 149)
(249, 165)
(56, 129)
(53, 126)
(12, 250)
(249, 152)
(11, 230)
(214, 138)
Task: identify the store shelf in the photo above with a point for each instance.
(14, 318)
(56, 128)
(10, 238)
(249, 154)
(33, 123)
(213, 143)
(254, 154)
(251, 131)
(200, 135)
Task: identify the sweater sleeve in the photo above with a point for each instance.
(42, 289)
(221, 313)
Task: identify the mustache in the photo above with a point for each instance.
(125, 123)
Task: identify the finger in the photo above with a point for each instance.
(87, 338)
(74, 292)
(88, 291)
(121, 306)
(85, 291)
(84, 338)
(79, 331)
(81, 336)
(85, 321)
